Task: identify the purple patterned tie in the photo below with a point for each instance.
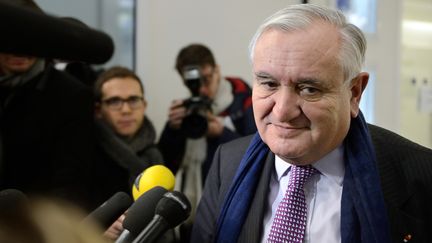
(289, 223)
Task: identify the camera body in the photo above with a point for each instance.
(195, 124)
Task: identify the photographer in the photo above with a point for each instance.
(188, 142)
(229, 115)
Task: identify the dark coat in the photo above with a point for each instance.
(117, 162)
(405, 170)
(46, 129)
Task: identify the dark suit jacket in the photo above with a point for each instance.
(406, 179)
(46, 130)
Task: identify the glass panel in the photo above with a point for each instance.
(362, 13)
(118, 20)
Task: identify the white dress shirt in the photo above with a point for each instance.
(323, 193)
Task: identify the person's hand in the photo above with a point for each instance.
(114, 231)
(176, 114)
(215, 125)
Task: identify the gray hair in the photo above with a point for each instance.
(300, 16)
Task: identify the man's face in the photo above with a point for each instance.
(301, 105)
(15, 64)
(124, 117)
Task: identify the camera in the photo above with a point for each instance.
(194, 124)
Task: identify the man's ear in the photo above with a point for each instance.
(357, 86)
(98, 110)
(217, 68)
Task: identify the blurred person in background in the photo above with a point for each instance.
(125, 137)
(45, 220)
(46, 120)
(230, 115)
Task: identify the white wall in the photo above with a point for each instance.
(164, 26)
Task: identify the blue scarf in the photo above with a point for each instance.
(364, 217)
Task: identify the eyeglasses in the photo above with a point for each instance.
(116, 103)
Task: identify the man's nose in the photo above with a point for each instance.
(125, 107)
(286, 105)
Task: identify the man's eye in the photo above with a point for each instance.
(114, 101)
(268, 84)
(309, 90)
(310, 93)
(271, 84)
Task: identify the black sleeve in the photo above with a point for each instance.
(172, 145)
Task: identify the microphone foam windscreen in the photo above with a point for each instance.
(174, 207)
(143, 210)
(9, 197)
(13, 205)
(156, 175)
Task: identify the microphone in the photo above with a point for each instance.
(110, 210)
(140, 214)
(171, 210)
(10, 197)
(27, 32)
(14, 205)
(156, 175)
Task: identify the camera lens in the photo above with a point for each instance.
(194, 125)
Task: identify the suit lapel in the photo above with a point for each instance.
(253, 226)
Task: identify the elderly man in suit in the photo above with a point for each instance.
(315, 171)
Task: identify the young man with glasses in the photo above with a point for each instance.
(124, 135)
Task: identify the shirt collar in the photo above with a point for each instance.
(331, 166)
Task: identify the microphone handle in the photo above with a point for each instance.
(153, 230)
(125, 237)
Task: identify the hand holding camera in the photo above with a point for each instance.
(215, 125)
(177, 112)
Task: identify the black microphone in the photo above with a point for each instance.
(107, 213)
(171, 210)
(13, 204)
(11, 198)
(140, 214)
(27, 32)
